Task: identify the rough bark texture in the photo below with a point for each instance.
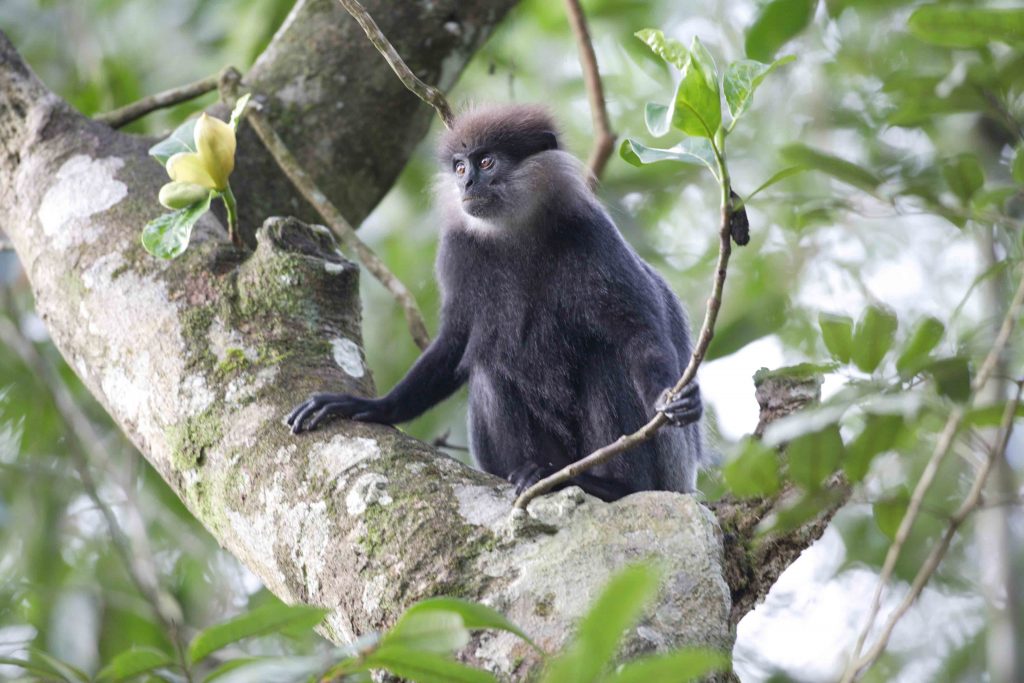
(199, 359)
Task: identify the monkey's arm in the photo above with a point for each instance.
(434, 377)
(655, 370)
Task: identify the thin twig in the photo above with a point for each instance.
(942, 447)
(971, 502)
(443, 442)
(604, 138)
(341, 228)
(707, 331)
(135, 556)
(428, 93)
(168, 98)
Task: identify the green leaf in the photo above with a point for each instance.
(687, 151)
(40, 670)
(239, 110)
(880, 434)
(925, 337)
(658, 118)
(778, 22)
(989, 416)
(690, 664)
(167, 236)
(754, 472)
(270, 618)
(474, 615)
(698, 105)
(889, 512)
(837, 333)
(669, 49)
(873, 337)
(964, 176)
(840, 169)
(778, 177)
(597, 637)
(57, 667)
(276, 669)
(743, 77)
(134, 662)
(181, 140)
(1017, 168)
(952, 377)
(813, 457)
(439, 631)
(947, 26)
(425, 667)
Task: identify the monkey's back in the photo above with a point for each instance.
(556, 320)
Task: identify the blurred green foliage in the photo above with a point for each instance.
(896, 142)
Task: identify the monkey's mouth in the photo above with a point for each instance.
(477, 206)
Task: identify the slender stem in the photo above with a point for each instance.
(707, 331)
(232, 208)
(428, 93)
(136, 110)
(971, 502)
(604, 138)
(341, 228)
(942, 447)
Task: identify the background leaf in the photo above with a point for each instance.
(837, 333)
(873, 337)
(952, 26)
(474, 615)
(691, 664)
(669, 49)
(742, 78)
(270, 618)
(778, 22)
(134, 662)
(813, 457)
(840, 169)
(754, 472)
(687, 151)
(926, 336)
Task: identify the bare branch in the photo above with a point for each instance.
(604, 138)
(707, 331)
(341, 228)
(428, 93)
(942, 448)
(971, 502)
(168, 98)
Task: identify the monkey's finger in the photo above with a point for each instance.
(327, 410)
(681, 418)
(304, 412)
(292, 415)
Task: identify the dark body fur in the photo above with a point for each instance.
(564, 334)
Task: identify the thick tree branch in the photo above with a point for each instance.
(341, 228)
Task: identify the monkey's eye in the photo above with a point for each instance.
(486, 162)
(460, 168)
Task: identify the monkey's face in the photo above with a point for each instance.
(480, 177)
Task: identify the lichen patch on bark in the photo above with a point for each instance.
(82, 187)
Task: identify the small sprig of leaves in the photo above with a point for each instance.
(199, 157)
(696, 110)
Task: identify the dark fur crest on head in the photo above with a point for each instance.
(517, 130)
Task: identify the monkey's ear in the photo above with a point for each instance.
(548, 140)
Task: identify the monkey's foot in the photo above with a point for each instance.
(312, 412)
(684, 410)
(528, 474)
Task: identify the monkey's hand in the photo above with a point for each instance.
(312, 412)
(684, 410)
(528, 474)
